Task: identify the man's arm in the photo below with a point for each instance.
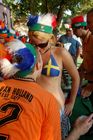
(79, 49)
(81, 127)
(73, 135)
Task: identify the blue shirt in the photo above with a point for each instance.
(74, 43)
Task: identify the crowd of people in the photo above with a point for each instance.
(32, 102)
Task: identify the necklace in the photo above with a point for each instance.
(46, 51)
(25, 79)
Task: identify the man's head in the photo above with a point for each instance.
(23, 59)
(69, 31)
(90, 20)
(78, 25)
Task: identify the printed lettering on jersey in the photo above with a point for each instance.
(14, 115)
(15, 94)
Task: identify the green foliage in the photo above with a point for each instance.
(24, 7)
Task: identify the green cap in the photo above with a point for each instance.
(79, 24)
(42, 28)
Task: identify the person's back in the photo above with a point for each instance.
(27, 112)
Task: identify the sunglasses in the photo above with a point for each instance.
(42, 45)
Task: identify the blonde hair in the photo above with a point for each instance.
(43, 36)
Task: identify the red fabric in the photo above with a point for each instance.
(2, 25)
(17, 33)
(54, 23)
(68, 27)
(7, 39)
(77, 19)
(23, 39)
(9, 57)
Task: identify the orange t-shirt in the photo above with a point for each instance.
(28, 112)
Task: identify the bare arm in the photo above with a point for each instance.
(72, 70)
(73, 135)
(79, 52)
(81, 127)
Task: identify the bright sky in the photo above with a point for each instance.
(17, 1)
(68, 12)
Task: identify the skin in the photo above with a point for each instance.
(81, 126)
(90, 21)
(53, 84)
(69, 33)
(86, 91)
(80, 32)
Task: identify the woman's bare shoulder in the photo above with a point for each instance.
(61, 51)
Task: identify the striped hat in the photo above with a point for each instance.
(23, 59)
(42, 23)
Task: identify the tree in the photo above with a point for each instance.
(23, 7)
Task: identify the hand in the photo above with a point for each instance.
(83, 124)
(86, 92)
(68, 108)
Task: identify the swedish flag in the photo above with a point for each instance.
(51, 68)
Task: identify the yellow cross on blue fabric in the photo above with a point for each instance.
(51, 68)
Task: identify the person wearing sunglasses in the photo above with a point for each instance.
(54, 59)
